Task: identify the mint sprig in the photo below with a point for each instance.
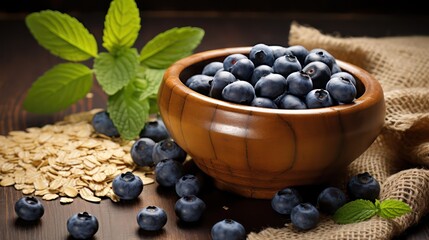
(129, 77)
(360, 210)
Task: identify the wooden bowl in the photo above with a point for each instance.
(254, 151)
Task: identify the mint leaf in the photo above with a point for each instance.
(115, 70)
(152, 79)
(122, 24)
(391, 208)
(128, 113)
(63, 35)
(355, 211)
(58, 88)
(170, 46)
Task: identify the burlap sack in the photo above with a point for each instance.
(400, 154)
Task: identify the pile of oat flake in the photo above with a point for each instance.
(65, 160)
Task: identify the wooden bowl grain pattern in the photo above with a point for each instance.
(255, 152)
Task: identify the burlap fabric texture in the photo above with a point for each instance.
(400, 155)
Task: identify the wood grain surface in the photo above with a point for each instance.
(22, 60)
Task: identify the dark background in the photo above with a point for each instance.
(307, 6)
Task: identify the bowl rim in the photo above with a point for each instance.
(372, 94)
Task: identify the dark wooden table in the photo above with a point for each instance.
(22, 60)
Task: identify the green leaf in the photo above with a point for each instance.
(391, 208)
(122, 24)
(152, 79)
(59, 88)
(128, 113)
(62, 35)
(114, 71)
(170, 46)
(355, 211)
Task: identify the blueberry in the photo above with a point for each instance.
(341, 89)
(231, 59)
(270, 86)
(200, 84)
(279, 51)
(240, 92)
(228, 229)
(335, 68)
(141, 152)
(319, 72)
(127, 186)
(258, 72)
(345, 75)
(104, 125)
(197, 77)
(299, 51)
(289, 101)
(188, 184)
(168, 172)
(318, 98)
(330, 199)
(263, 102)
(29, 208)
(151, 218)
(155, 129)
(363, 186)
(82, 225)
(319, 54)
(220, 80)
(168, 149)
(304, 216)
(212, 68)
(243, 69)
(285, 200)
(286, 65)
(261, 54)
(189, 208)
(299, 83)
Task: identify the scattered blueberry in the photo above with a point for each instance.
(29, 208)
(188, 184)
(330, 199)
(104, 125)
(228, 229)
(168, 172)
(127, 186)
(155, 129)
(168, 149)
(82, 225)
(285, 200)
(141, 151)
(189, 208)
(363, 186)
(304, 216)
(151, 218)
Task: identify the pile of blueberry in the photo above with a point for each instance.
(277, 77)
(305, 215)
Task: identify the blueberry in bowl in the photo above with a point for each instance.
(256, 151)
